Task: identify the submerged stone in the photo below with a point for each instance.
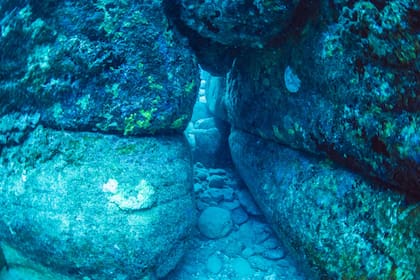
(238, 23)
(98, 206)
(344, 226)
(214, 264)
(115, 67)
(215, 222)
(336, 98)
(242, 267)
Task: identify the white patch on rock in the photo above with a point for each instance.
(110, 186)
(143, 200)
(291, 80)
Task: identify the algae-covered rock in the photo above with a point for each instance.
(238, 23)
(15, 127)
(342, 225)
(96, 205)
(111, 66)
(328, 90)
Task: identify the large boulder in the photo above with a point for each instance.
(238, 23)
(111, 66)
(338, 223)
(212, 56)
(345, 90)
(97, 206)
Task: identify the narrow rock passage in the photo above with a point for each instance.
(239, 246)
(232, 239)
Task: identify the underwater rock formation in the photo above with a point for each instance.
(329, 90)
(358, 70)
(343, 226)
(335, 79)
(100, 206)
(95, 204)
(359, 121)
(111, 66)
(342, 83)
(238, 23)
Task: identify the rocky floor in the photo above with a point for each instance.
(232, 239)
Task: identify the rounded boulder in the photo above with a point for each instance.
(215, 222)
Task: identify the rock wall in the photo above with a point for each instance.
(238, 23)
(116, 67)
(335, 79)
(329, 94)
(103, 203)
(344, 227)
(341, 83)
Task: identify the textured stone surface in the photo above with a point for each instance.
(214, 264)
(238, 23)
(345, 227)
(356, 105)
(112, 66)
(212, 56)
(215, 222)
(97, 205)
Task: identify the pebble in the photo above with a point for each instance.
(245, 234)
(242, 267)
(200, 174)
(217, 171)
(214, 264)
(247, 252)
(259, 262)
(221, 194)
(216, 181)
(274, 254)
(201, 205)
(271, 243)
(239, 216)
(206, 197)
(230, 204)
(227, 194)
(215, 222)
(262, 232)
(198, 187)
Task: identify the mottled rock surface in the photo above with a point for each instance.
(238, 23)
(341, 224)
(215, 222)
(213, 56)
(111, 66)
(331, 90)
(96, 205)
